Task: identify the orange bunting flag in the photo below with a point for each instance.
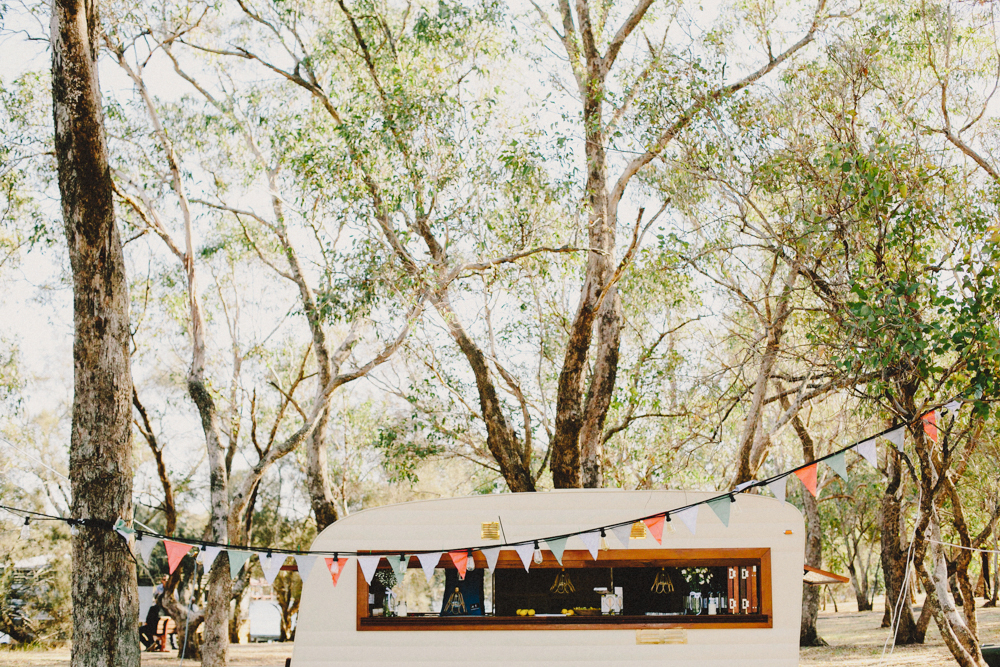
(175, 553)
(808, 477)
(655, 525)
(930, 425)
(335, 570)
(461, 560)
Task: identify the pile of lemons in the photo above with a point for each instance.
(568, 612)
(525, 612)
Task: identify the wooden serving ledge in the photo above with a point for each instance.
(434, 622)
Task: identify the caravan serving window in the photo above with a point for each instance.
(636, 588)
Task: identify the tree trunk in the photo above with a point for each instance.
(894, 556)
(104, 593)
(602, 387)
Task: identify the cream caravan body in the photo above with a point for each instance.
(331, 630)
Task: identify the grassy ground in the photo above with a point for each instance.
(855, 640)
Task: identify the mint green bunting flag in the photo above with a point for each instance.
(237, 559)
(557, 546)
(839, 465)
(721, 508)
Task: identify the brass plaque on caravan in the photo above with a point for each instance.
(661, 636)
(490, 530)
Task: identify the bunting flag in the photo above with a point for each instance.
(146, 544)
(839, 465)
(808, 477)
(492, 554)
(175, 553)
(896, 437)
(237, 559)
(271, 565)
(952, 407)
(655, 526)
(368, 566)
(207, 556)
(305, 565)
(428, 562)
(867, 450)
(743, 485)
(461, 561)
(622, 533)
(777, 487)
(525, 551)
(930, 425)
(336, 568)
(721, 508)
(124, 530)
(399, 565)
(591, 541)
(689, 517)
(557, 546)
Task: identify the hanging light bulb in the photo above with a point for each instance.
(670, 526)
(604, 541)
(26, 529)
(335, 566)
(538, 554)
(470, 562)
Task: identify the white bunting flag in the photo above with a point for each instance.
(743, 485)
(207, 556)
(689, 517)
(491, 554)
(525, 551)
(428, 562)
(953, 407)
(622, 533)
(146, 544)
(271, 565)
(896, 437)
(592, 541)
(368, 566)
(868, 451)
(305, 564)
(778, 487)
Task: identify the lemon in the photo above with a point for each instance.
(531, 612)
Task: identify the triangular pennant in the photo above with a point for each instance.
(175, 552)
(145, 546)
(930, 425)
(895, 436)
(305, 563)
(237, 559)
(429, 562)
(207, 556)
(721, 508)
(808, 477)
(743, 485)
(525, 551)
(622, 533)
(336, 567)
(557, 546)
(124, 530)
(952, 407)
(271, 565)
(461, 561)
(491, 554)
(838, 464)
(690, 517)
(399, 565)
(777, 487)
(655, 526)
(867, 449)
(368, 566)
(592, 541)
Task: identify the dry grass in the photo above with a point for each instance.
(855, 639)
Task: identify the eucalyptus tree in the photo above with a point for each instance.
(105, 597)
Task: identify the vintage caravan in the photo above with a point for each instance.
(722, 595)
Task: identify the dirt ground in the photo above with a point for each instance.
(855, 640)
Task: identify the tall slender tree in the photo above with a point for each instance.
(105, 596)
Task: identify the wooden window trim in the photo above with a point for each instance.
(583, 559)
